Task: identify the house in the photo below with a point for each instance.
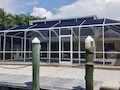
(62, 40)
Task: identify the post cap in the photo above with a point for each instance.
(89, 43)
(89, 38)
(35, 40)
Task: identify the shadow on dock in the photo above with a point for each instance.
(78, 88)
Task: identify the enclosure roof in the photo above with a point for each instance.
(65, 23)
(56, 19)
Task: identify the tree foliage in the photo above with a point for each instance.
(8, 20)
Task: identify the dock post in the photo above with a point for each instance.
(35, 63)
(89, 67)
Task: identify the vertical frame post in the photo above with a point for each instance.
(0, 47)
(29, 48)
(71, 44)
(0, 42)
(103, 45)
(79, 45)
(4, 45)
(49, 45)
(21, 48)
(103, 42)
(24, 46)
(59, 46)
(11, 48)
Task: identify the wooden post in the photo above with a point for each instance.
(89, 67)
(35, 63)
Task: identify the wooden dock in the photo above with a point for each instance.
(51, 83)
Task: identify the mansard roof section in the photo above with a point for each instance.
(72, 22)
(50, 20)
(45, 24)
(62, 22)
(100, 22)
(20, 27)
(111, 21)
(93, 22)
(84, 22)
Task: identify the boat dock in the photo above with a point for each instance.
(54, 78)
(51, 83)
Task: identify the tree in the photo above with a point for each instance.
(8, 20)
(2, 19)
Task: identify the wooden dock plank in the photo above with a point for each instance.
(51, 83)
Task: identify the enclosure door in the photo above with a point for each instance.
(65, 49)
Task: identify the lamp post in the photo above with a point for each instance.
(35, 63)
(89, 67)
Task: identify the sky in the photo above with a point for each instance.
(52, 9)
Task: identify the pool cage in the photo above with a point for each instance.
(63, 41)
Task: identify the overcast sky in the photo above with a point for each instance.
(64, 8)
